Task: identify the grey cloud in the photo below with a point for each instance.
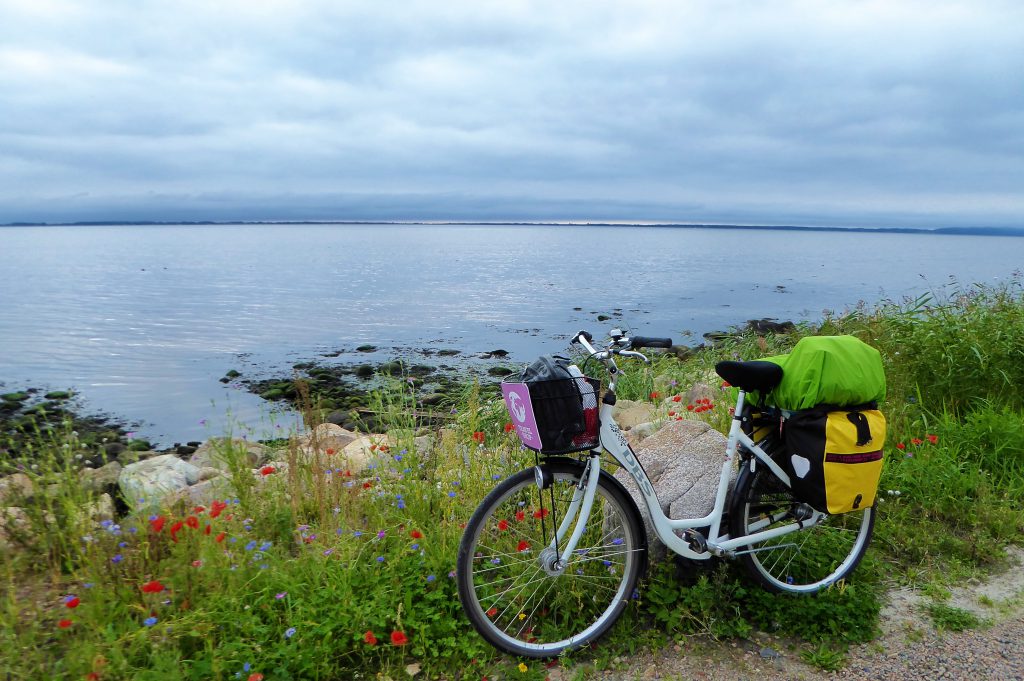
(835, 112)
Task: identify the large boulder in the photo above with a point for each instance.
(16, 489)
(203, 493)
(218, 452)
(628, 413)
(101, 479)
(683, 461)
(362, 451)
(324, 441)
(153, 479)
(14, 524)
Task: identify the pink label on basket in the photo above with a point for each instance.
(517, 399)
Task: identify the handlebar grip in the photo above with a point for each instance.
(645, 342)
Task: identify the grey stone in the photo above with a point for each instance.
(14, 524)
(203, 493)
(628, 413)
(101, 509)
(155, 478)
(683, 461)
(100, 479)
(16, 488)
(219, 452)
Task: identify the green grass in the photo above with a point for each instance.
(300, 565)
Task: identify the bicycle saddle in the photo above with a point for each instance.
(751, 376)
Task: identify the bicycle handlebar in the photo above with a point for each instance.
(645, 342)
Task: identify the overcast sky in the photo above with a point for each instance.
(817, 112)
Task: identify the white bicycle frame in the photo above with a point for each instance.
(719, 543)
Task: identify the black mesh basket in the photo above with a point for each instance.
(566, 411)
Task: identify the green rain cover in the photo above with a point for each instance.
(839, 370)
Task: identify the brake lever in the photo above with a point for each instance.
(633, 353)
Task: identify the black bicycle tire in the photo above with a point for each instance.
(738, 522)
(475, 612)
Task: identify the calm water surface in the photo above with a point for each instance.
(143, 321)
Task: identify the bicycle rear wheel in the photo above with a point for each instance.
(511, 589)
(805, 561)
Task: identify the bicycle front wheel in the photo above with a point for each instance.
(805, 561)
(511, 584)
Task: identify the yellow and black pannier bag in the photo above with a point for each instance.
(834, 456)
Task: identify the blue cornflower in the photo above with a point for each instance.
(401, 505)
(122, 544)
(431, 578)
(149, 621)
(117, 558)
(415, 547)
(451, 495)
(289, 632)
(251, 545)
(246, 667)
(380, 559)
(266, 545)
(357, 533)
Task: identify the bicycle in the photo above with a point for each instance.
(538, 576)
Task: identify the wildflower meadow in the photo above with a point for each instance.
(317, 569)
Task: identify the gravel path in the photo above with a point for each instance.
(909, 648)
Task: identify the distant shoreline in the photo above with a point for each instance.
(956, 231)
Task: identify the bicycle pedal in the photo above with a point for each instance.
(697, 542)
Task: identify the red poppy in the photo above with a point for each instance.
(523, 546)
(398, 638)
(153, 587)
(654, 395)
(208, 528)
(502, 524)
(175, 528)
(671, 413)
(520, 515)
(192, 522)
(492, 612)
(916, 441)
(64, 624)
(220, 537)
(726, 384)
(369, 638)
(933, 439)
(267, 470)
(416, 534)
(479, 436)
(198, 509)
(900, 445)
(373, 448)
(677, 398)
(679, 418)
(384, 448)
(509, 427)
(218, 506)
(72, 602)
(348, 474)
(689, 407)
(256, 677)
(92, 676)
(157, 524)
(542, 513)
(367, 485)
(329, 451)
